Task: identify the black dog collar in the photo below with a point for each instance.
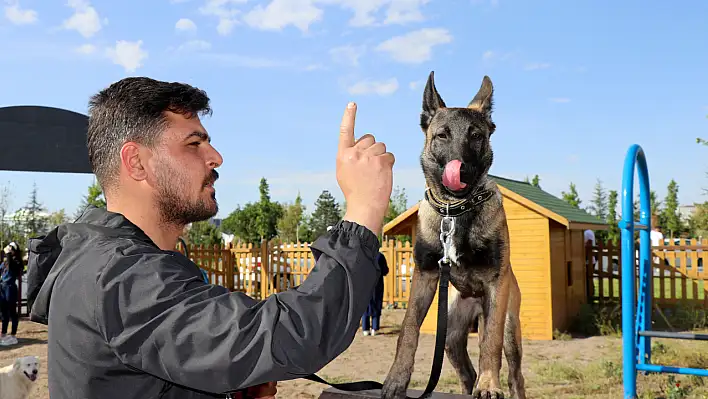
(457, 207)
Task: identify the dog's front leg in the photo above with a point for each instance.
(422, 293)
(491, 341)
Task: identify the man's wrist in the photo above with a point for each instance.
(366, 219)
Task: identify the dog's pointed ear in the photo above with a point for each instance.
(483, 101)
(432, 102)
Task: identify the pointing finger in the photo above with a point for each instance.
(346, 130)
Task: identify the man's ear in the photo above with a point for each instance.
(131, 160)
(483, 100)
(432, 102)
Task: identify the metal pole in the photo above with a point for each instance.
(630, 344)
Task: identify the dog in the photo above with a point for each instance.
(18, 378)
(455, 160)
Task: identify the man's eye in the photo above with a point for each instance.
(196, 143)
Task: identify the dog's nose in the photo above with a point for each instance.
(34, 371)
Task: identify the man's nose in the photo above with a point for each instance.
(214, 157)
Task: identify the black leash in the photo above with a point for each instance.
(440, 333)
(438, 356)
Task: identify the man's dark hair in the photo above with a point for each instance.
(132, 109)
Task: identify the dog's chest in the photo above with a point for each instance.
(472, 267)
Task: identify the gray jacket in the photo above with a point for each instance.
(128, 320)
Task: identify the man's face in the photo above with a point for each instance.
(184, 165)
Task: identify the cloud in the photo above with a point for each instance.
(225, 11)
(185, 25)
(536, 66)
(86, 49)
(492, 3)
(278, 14)
(314, 67)
(129, 55)
(397, 11)
(490, 56)
(238, 60)
(194, 45)
(559, 99)
(368, 86)
(415, 47)
(404, 11)
(85, 19)
(19, 16)
(347, 55)
(414, 85)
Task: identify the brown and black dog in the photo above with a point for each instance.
(456, 158)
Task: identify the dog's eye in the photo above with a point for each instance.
(473, 133)
(442, 133)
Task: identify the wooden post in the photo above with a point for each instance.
(265, 268)
(229, 263)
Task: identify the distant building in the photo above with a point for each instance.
(686, 211)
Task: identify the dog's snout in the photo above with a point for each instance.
(34, 371)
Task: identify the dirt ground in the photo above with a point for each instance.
(567, 368)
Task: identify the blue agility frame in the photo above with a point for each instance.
(636, 327)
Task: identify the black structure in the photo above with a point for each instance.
(43, 139)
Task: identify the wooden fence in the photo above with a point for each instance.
(678, 276)
(261, 270)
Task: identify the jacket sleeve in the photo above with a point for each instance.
(159, 316)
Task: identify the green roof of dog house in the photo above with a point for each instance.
(548, 201)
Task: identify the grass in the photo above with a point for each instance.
(698, 295)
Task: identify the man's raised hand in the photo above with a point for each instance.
(364, 174)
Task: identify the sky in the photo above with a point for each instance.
(576, 83)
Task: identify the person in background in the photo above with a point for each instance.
(371, 320)
(655, 235)
(10, 271)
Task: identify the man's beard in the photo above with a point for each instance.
(179, 211)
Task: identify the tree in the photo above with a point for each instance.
(34, 222)
(57, 218)
(572, 196)
(242, 223)
(397, 204)
(671, 217)
(268, 213)
(698, 222)
(536, 181)
(4, 209)
(326, 213)
(256, 221)
(598, 204)
(613, 233)
(292, 226)
(93, 197)
(204, 233)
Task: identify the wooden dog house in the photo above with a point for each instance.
(547, 256)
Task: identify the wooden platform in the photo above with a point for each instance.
(332, 393)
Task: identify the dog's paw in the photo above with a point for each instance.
(488, 394)
(394, 388)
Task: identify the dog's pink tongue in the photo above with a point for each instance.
(451, 176)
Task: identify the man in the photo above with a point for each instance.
(129, 317)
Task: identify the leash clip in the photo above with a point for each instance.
(447, 228)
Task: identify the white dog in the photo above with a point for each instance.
(17, 379)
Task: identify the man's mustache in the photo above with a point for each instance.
(213, 178)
